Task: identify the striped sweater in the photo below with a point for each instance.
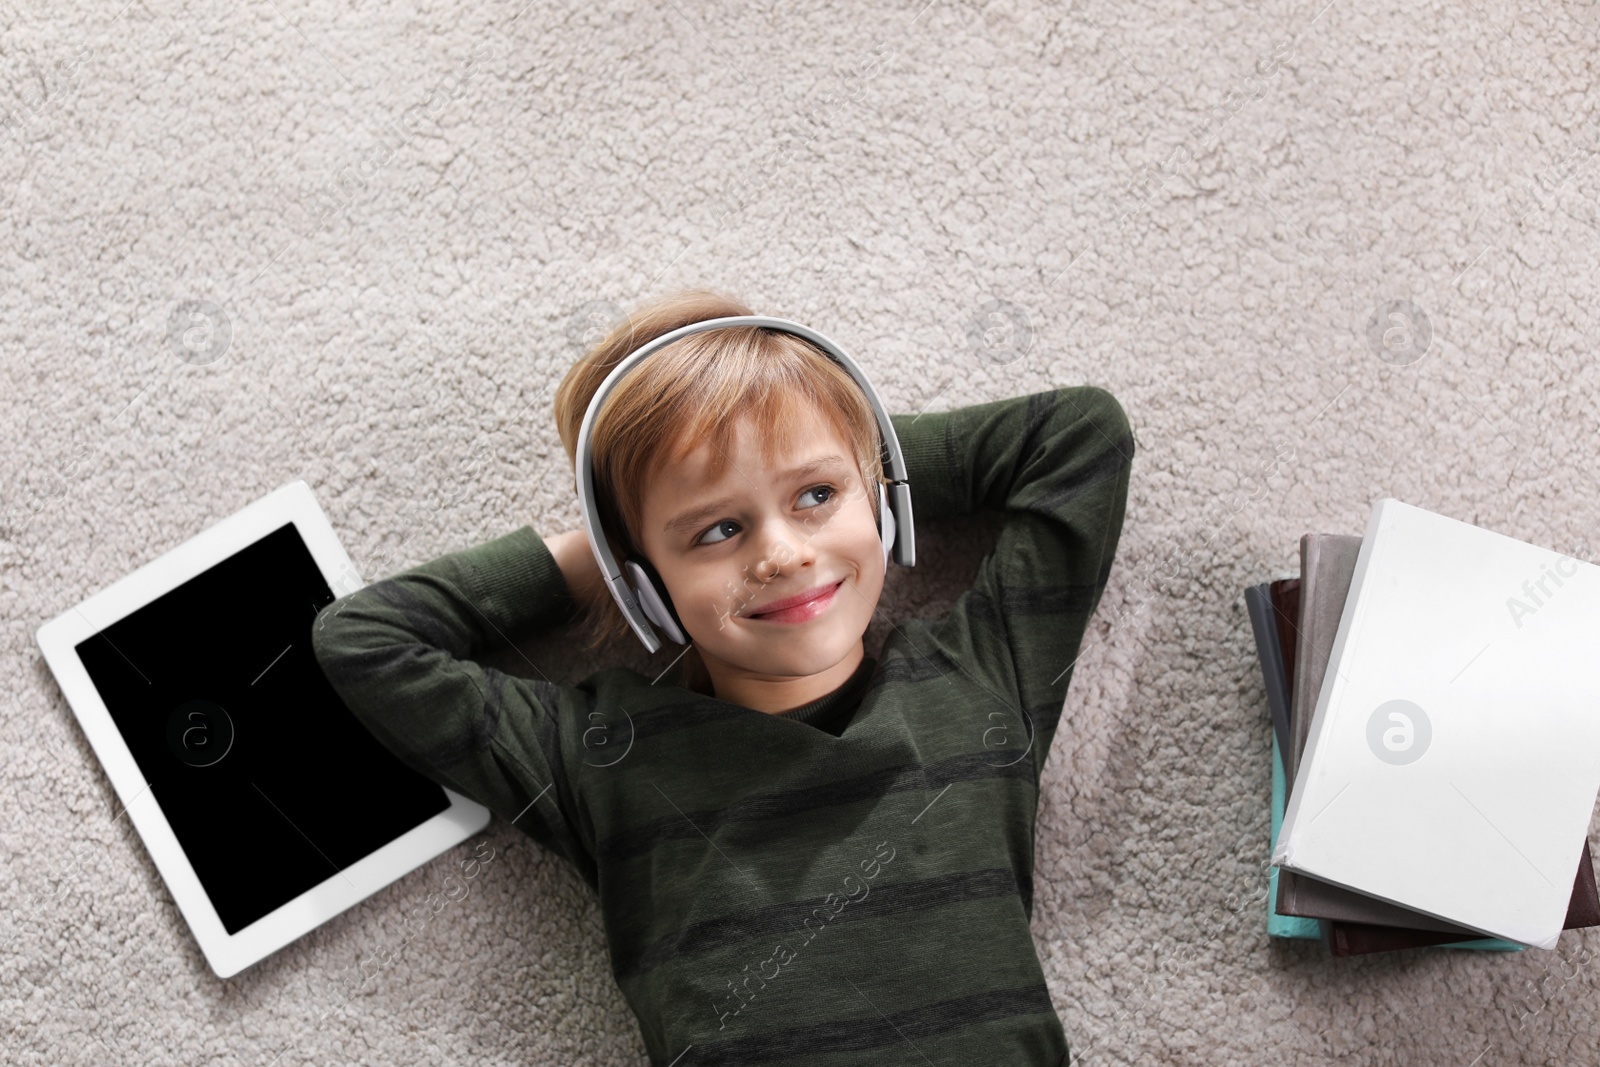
(820, 887)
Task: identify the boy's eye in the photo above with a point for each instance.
(725, 522)
(827, 490)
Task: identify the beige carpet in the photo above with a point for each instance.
(249, 242)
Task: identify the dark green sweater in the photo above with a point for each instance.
(822, 887)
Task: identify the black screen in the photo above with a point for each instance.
(269, 782)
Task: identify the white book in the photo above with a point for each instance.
(1454, 754)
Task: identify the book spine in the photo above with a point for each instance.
(1288, 926)
(1258, 601)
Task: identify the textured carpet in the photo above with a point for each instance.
(1323, 253)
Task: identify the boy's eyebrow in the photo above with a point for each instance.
(694, 516)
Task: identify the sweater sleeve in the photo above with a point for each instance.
(401, 654)
(1058, 463)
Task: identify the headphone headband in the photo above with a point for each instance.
(898, 488)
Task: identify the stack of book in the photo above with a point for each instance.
(1296, 622)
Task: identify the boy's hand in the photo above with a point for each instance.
(578, 566)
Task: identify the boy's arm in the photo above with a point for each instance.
(1058, 462)
(400, 652)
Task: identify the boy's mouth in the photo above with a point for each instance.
(799, 608)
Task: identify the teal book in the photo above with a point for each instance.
(1283, 925)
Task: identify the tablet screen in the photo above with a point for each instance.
(269, 783)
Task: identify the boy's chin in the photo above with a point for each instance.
(788, 655)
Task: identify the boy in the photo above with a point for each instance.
(803, 853)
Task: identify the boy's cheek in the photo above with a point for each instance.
(716, 609)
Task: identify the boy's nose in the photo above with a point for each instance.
(782, 552)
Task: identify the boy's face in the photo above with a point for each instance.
(777, 532)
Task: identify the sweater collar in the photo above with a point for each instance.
(847, 697)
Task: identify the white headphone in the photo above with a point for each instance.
(643, 596)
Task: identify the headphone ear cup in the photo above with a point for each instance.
(886, 523)
(652, 597)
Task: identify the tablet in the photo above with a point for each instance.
(266, 805)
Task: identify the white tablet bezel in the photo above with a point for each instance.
(228, 954)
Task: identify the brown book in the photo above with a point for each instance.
(1358, 939)
(1285, 596)
(1327, 568)
(1361, 939)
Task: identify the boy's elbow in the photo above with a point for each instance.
(1103, 412)
(333, 634)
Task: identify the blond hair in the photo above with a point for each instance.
(693, 391)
